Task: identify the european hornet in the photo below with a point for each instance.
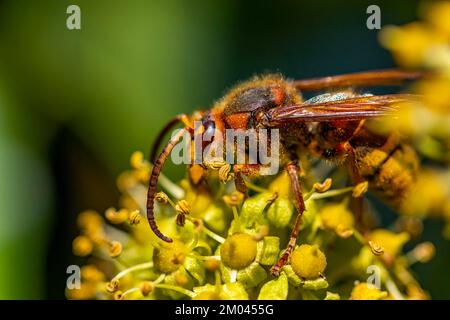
(329, 126)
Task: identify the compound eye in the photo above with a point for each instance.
(210, 128)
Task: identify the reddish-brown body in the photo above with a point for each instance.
(386, 162)
(328, 126)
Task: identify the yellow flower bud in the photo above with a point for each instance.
(89, 219)
(143, 174)
(308, 262)
(438, 14)
(126, 181)
(238, 251)
(181, 279)
(82, 246)
(365, 291)
(409, 43)
(212, 264)
(91, 273)
(196, 173)
(423, 252)
(127, 202)
(86, 291)
(137, 160)
(170, 256)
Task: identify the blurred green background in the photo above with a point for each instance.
(74, 104)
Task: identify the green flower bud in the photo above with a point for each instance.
(332, 296)
(253, 208)
(196, 269)
(292, 277)
(252, 276)
(215, 218)
(275, 290)
(280, 212)
(268, 250)
(233, 291)
(317, 284)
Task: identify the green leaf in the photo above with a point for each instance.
(203, 248)
(225, 272)
(206, 287)
(170, 279)
(292, 277)
(251, 276)
(252, 210)
(317, 284)
(215, 218)
(229, 291)
(280, 212)
(275, 289)
(195, 269)
(268, 250)
(233, 291)
(332, 296)
(309, 214)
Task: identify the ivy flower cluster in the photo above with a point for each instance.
(228, 244)
(225, 242)
(425, 45)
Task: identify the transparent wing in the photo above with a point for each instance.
(357, 108)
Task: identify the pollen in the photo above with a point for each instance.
(115, 249)
(135, 217)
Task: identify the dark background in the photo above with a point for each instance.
(75, 104)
